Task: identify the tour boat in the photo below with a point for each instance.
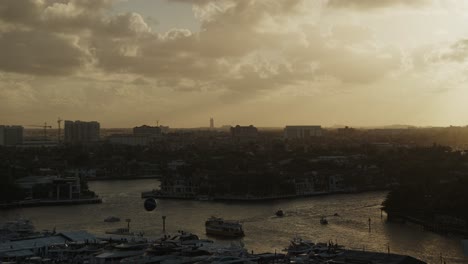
(219, 227)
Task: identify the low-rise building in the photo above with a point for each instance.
(50, 187)
(302, 132)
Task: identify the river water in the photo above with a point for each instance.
(264, 231)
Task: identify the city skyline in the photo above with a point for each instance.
(266, 63)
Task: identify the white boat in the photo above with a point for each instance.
(299, 246)
(21, 226)
(219, 227)
(184, 238)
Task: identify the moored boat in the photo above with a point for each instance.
(299, 246)
(120, 231)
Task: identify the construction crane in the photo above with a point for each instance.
(59, 122)
(45, 127)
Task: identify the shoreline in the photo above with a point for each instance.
(36, 203)
(233, 198)
(123, 178)
(427, 225)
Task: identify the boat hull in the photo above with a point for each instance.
(217, 232)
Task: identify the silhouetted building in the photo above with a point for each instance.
(244, 131)
(50, 187)
(211, 123)
(11, 135)
(81, 132)
(301, 132)
(346, 130)
(131, 139)
(147, 130)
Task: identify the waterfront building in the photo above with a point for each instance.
(336, 183)
(179, 181)
(302, 132)
(11, 135)
(50, 187)
(81, 131)
(19, 250)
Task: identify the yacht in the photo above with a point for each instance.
(299, 246)
(219, 227)
(185, 238)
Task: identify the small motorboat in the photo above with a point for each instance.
(279, 213)
(323, 220)
(112, 219)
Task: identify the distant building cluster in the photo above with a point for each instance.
(142, 136)
(302, 132)
(244, 132)
(11, 135)
(81, 131)
(147, 130)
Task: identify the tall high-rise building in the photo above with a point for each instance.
(81, 131)
(11, 135)
(244, 131)
(211, 123)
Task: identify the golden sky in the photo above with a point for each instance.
(263, 62)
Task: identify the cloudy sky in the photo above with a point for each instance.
(262, 62)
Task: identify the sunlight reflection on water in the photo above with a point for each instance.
(264, 231)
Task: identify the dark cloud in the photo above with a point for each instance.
(371, 4)
(69, 36)
(41, 53)
(22, 12)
